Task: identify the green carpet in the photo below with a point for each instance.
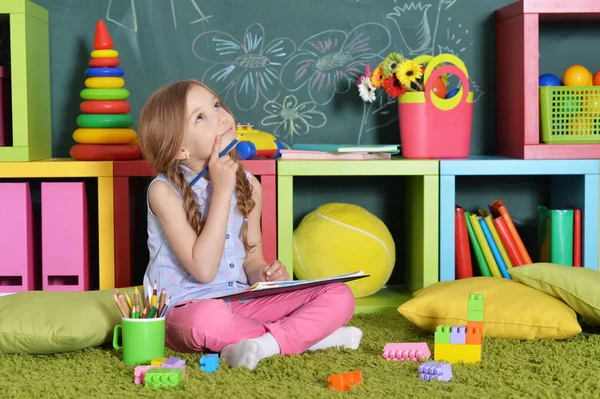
(511, 369)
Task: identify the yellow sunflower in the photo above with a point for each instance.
(377, 78)
(408, 72)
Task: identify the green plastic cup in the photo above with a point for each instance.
(142, 339)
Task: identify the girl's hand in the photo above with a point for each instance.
(276, 271)
(222, 170)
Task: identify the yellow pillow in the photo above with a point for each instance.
(511, 309)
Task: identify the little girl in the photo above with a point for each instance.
(205, 241)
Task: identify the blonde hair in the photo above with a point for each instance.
(161, 129)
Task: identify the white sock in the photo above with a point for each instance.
(249, 352)
(349, 337)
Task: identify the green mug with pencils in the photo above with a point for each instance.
(142, 339)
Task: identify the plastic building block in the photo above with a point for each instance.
(173, 362)
(343, 381)
(475, 324)
(435, 371)
(140, 371)
(458, 334)
(457, 353)
(442, 334)
(209, 363)
(17, 272)
(475, 302)
(475, 315)
(158, 361)
(406, 351)
(65, 243)
(474, 336)
(162, 377)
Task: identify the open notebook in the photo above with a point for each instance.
(277, 287)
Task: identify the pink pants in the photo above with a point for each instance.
(297, 319)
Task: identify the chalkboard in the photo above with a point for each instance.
(288, 67)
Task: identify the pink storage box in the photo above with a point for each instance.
(65, 244)
(5, 108)
(17, 271)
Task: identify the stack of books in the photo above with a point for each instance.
(493, 240)
(340, 151)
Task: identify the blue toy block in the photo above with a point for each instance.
(209, 363)
(435, 371)
(173, 362)
(458, 335)
(574, 182)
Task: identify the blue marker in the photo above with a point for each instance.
(225, 151)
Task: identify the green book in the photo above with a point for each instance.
(483, 266)
(388, 148)
(555, 235)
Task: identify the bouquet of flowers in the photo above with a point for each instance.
(395, 75)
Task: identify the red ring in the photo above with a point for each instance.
(105, 152)
(105, 107)
(104, 62)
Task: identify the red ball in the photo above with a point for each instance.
(439, 88)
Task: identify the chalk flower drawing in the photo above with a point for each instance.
(249, 69)
(415, 24)
(331, 61)
(292, 119)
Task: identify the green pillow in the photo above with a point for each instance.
(578, 287)
(44, 322)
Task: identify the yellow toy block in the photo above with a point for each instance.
(457, 353)
(158, 361)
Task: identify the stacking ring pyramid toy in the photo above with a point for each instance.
(104, 132)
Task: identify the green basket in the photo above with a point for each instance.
(570, 114)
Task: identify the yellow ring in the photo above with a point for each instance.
(105, 54)
(104, 136)
(105, 83)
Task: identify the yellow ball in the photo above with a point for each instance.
(338, 238)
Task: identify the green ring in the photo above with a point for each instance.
(104, 120)
(104, 94)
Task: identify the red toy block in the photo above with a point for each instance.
(517, 94)
(65, 255)
(343, 381)
(17, 271)
(473, 336)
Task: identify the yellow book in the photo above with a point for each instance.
(485, 247)
(490, 223)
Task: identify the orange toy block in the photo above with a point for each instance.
(475, 324)
(343, 381)
(473, 336)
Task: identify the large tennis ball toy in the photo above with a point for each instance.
(338, 238)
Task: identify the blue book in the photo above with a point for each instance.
(494, 247)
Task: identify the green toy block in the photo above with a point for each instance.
(442, 334)
(30, 81)
(475, 302)
(475, 315)
(163, 377)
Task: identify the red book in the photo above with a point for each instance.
(499, 209)
(462, 252)
(508, 241)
